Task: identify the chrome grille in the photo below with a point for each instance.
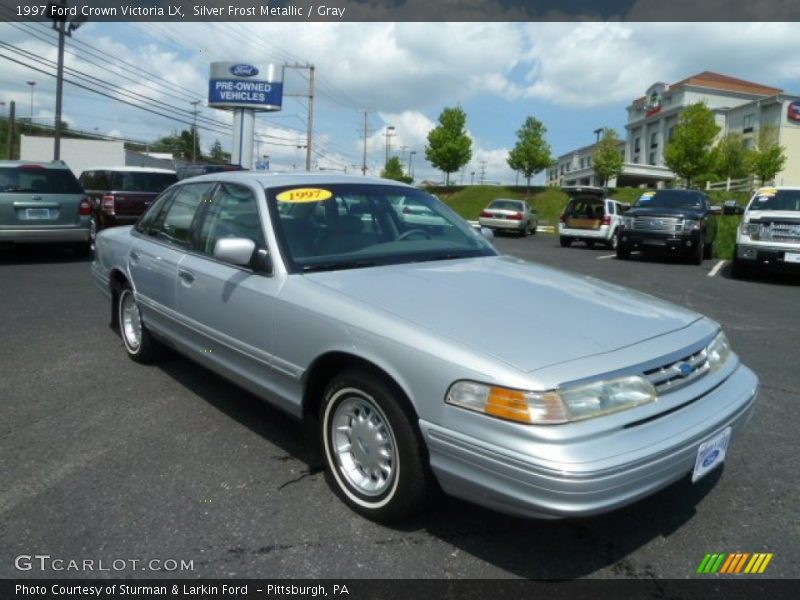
(781, 232)
(676, 374)
(669, 224)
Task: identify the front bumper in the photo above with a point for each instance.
(767, 254)
(45, 235)
(528, 486)
(655, 240)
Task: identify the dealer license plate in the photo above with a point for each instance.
(791, 257)
(37, 213)
(711, 453)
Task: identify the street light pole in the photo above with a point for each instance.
(410, 156)
(388, 134)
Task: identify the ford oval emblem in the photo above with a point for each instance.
(711, 457)
(243, 70)
(685, 368)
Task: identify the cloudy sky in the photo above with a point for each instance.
(575, 77)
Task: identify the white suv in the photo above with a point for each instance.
(590, 217)
(770, 231)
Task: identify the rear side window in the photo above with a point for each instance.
(95, 180)
(138, 181)
(38, 180)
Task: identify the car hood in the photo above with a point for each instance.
(772, 215)
(526, 315)
(682, 213)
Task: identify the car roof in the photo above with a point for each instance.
(584, 189)
(52, 164)
(271, 180)
(131, 169)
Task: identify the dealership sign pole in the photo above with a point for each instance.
(244, 89)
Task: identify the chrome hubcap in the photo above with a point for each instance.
(92, 232)
(364, 446)
(131, 322)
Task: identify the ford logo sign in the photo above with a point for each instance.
(243, 70)
(711, 457)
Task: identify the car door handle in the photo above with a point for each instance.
(134, 256)
(187, 276)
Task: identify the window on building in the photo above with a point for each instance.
(651, 158)
(671, 133)
(654, 140)
(747, 123)
(636, 147)
(562, 169)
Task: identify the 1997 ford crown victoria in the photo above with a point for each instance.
(390, 339)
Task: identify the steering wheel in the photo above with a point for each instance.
(410, 232)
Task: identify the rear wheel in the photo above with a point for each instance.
(374, 456)
(612, 243)
(139, 343)
(590, 243)
(565, 241)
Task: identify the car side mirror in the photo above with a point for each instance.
(715, 210)
(236, 251)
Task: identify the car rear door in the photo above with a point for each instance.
(229, 308)
(156, 253)
(37, 197)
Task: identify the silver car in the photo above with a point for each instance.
(509, 215)
(392, 344)
(43, 202)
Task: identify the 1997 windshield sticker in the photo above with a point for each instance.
(304, 195)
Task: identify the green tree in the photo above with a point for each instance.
(769, 157)
(218, 155)
(394, 170)
(730, 157)
(607, 158)
(688, 153)
(449, 147)
(179, 144)
(531, 153)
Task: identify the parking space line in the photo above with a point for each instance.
(716, 268)
(606, 256)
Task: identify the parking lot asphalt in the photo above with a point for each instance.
(105, 459)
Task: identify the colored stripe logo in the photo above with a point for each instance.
(735, 563)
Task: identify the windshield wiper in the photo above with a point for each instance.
(338, 265)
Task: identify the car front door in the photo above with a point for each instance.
(156, 252)
(228, 308)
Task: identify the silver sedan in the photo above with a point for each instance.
(390, 341)
(509, 215)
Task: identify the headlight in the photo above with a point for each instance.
(718, 351)
(751, 230)
(691, 225)
(574, 403)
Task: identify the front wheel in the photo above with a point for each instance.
(623, 252)
(699, 252)
(739, 269)
(374, 456)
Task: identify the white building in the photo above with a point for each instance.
(739, 107)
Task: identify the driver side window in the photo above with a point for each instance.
(233, 213)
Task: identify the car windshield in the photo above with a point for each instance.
(38, 180)
(670, 199)
(506, 204)
(344, 226)
(772, 199)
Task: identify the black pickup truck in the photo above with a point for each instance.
(676, 221)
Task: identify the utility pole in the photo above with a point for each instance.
(366, 134)
(410, 156)
(194, 104)
(31, 83)
(310, 97)
(58, 14)
(389, 133)
(483, 171)
(12, 107)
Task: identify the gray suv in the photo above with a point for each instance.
(43, 202)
